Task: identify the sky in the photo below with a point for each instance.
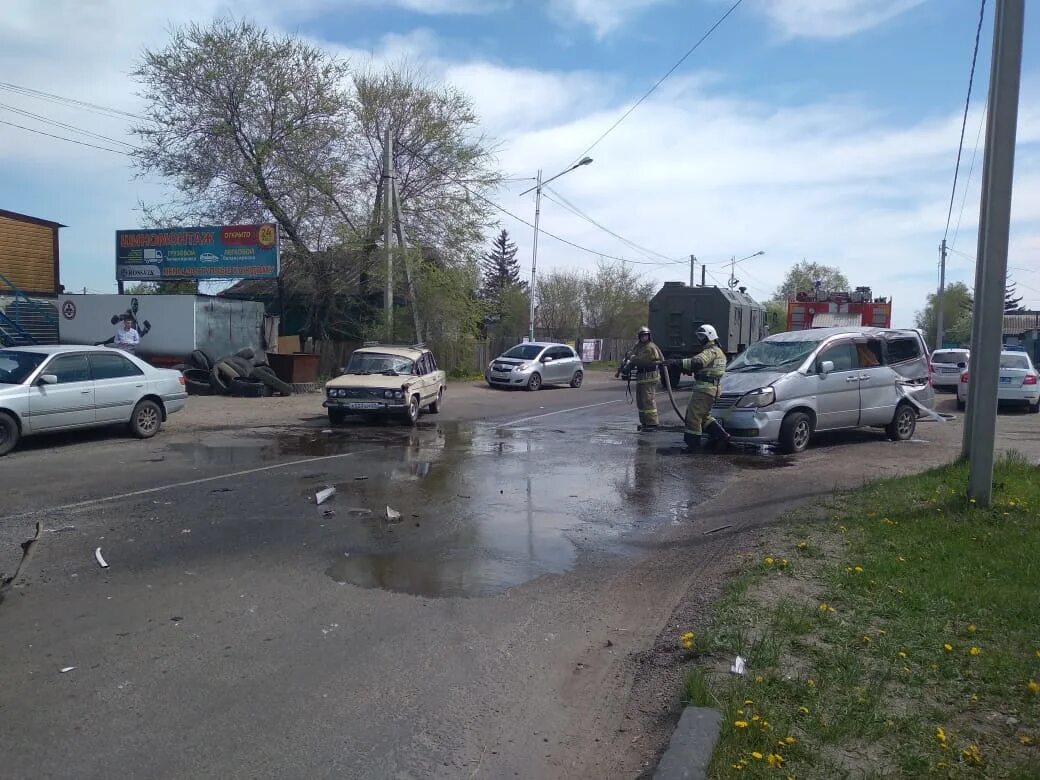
(824, 130)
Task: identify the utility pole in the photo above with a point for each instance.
(693, 259)
(939, 332)
(388, 221)
(991, 267)
(704, 275)
(534, 249)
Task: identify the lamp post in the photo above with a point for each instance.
(733, 280)
(537, 214)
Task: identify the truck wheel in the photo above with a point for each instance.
(8, 433)
(795, 432)
(904, 424)
(202, 359)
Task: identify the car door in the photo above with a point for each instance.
(436, 376)
(559, 364)
(428, 387)
(570, 362)
(69, 403)
(118, 384)
(837, 392)
(878, 393)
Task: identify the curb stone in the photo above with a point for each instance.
(689, 750)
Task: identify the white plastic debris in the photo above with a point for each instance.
(100, 560)
(392, 515)
(67, 669)
(324, 495)
(739, 665)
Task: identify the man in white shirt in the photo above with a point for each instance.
(127, 338)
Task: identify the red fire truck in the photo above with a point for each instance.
(829, 308)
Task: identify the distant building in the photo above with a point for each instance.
(29, 257)
(1022, 328)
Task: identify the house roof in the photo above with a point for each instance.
(26, 218)
(1020, 322)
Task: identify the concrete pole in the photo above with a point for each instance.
(939, 330)
(693, 259)
(994, 227)
(388, 221)
(534, 249)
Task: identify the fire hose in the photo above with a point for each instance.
(666, 378)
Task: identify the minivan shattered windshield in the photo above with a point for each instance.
(774, 355)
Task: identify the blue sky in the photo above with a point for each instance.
(824, 129)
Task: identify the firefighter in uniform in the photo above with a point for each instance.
(644, 360)
(707, 367)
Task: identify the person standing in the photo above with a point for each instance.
(644, 360)
(707, 367)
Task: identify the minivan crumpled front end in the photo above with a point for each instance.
(747, 406)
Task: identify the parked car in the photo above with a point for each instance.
(45, 389)
(386, 379)
(536, 363)
(791, 385)
(1018, 382)
(946, 366)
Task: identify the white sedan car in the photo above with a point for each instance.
(1018, 382)
(67, 387)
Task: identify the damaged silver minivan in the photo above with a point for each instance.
(789, 386)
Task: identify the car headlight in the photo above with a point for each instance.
(521, 367)
(757, 398)
(398, 394)
(332, 392)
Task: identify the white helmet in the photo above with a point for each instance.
(709, 333)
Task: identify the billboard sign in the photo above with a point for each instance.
(223, 252)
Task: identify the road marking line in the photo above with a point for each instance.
(189, 483)
(561, 411)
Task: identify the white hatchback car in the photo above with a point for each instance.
(1018, 382)
(946, 366)
(44, 389)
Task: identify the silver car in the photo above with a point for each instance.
(533, 364)
(45, 389)
(789, 386)
(947, 365)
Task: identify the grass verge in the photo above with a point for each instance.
(900, 637)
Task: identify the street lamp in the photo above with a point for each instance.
(733, 280)
(537, 213)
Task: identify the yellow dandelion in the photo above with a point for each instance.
(866, 639)
(972, 755)
(756, 755)
(857, 569)
(948, 647)
(1025, 740)
(688, 635)
(749, 701)
(902, 654)
(802, 545)
(775, 760)
(789, 740)
(754, 717)
(974, 697)
(974, 651)
(759, 678)
(811, 682)
(769, 561)
(740, 724)
(971, 628)
(783, 563)
(803, 710)
(1034, 687)
(940, 735)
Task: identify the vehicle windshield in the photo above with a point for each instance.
(1014, 361)
(950, 357)
(524, 352)
(378, 363)
(15, 367)
(773, 355)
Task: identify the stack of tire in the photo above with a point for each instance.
(245, 374)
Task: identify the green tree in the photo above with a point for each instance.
(615, 301)
(957, 314)
(173, 287)
(1012, 303)
(500, 272)
(776, 316)
(558, 314)
(802, 277)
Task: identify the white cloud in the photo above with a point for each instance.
(603, 16)
(832, 18)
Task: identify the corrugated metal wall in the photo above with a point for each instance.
(27, 255)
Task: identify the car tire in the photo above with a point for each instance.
(197, 381)
(217, 381)
(535, 382)
(337, 416)
(412, 413)
(961, 404)
(435, 407)
(269, 378)
(904, 423)
(577, 379)
(1035, 408)
(241, 365)
(146, 419)
(248, 388)
(795, 432)
(246, 353)
(9, 433)
(200, 358)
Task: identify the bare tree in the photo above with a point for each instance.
(559, 304)
(615, 301)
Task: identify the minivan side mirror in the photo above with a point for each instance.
(826, 367)
(48, 379)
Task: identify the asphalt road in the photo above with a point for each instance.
(499, 627)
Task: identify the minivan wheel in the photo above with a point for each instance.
(8, 433)
(795, 432)
(535, 382)
(904, 424)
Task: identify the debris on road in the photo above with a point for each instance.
(715, 530)
(739, 665)
(328, 513)
(100, 560)
(65, 669)
(59, 530)
(324, 495)
(392, 515)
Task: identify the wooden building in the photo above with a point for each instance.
(29, 254)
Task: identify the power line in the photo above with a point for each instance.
(661, 80)
(967, 181)
(63, 138)
(73, 128)
(81, 104)
(964, 121)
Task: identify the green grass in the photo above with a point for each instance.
(601, 365)
(860, 647)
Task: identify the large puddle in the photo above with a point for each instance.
(457, 510)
